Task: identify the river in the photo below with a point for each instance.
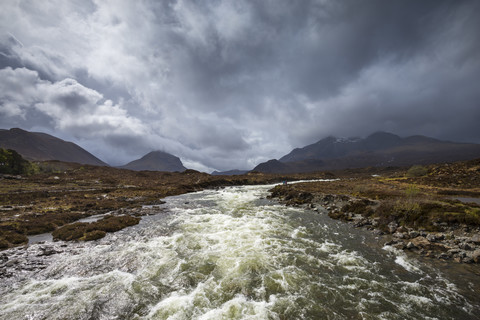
(233, 254)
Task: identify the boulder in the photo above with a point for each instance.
(392, 226)
(420, 242)
(465, 246)
(400, 235)
(476, 256)
(413, 234)
(410, 245)
(475, 239)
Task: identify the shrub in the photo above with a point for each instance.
(412, 191)
(417, 171)
(362, 207)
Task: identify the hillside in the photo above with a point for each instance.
(380, 149)
(234, 172)
(156, 161)
(41, 146)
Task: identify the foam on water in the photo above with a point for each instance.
(229, 255)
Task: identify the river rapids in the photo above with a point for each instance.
(233, 254)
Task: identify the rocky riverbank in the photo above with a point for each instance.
(428, 215)
(456, 242)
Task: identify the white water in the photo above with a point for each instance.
(231, 254)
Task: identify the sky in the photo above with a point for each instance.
(227, 84)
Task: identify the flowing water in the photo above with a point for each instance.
(232, 254)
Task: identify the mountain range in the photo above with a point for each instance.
(39, 146)
(380, 149)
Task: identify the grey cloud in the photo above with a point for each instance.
(228, 83)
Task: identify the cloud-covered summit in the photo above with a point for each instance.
(229, 84)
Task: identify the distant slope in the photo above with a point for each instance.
(275, 166)
(42, 146)
(229, 172)
(380, 149)
(156, 161)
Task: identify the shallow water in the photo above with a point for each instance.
(467, 200)
(232, 254)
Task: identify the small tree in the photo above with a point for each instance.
(11, 162)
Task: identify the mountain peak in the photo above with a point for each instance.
(156, 161)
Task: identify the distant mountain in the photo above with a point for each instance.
(156, 161)
(380, 149)
(42, 146)
(275, 166)
(234, 172)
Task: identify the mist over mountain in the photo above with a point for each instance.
(377, 150)
(42, 146)
(156, 161)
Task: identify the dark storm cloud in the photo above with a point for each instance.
(227, 84)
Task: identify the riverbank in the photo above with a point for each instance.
(64, 193)
(436, 214)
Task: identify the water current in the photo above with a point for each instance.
(233, 254)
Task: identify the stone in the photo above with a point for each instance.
(392, 226)
(360, 222)
(413, 234)
(465, 246)
(467, 259)
(454, 251)
(400, 235)
(410, 245)
(431, 237)
(439, 237)
(475, 239)
(391, 242)
(444, 256)
(399, 245)
(420, 242)
(476, 256)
